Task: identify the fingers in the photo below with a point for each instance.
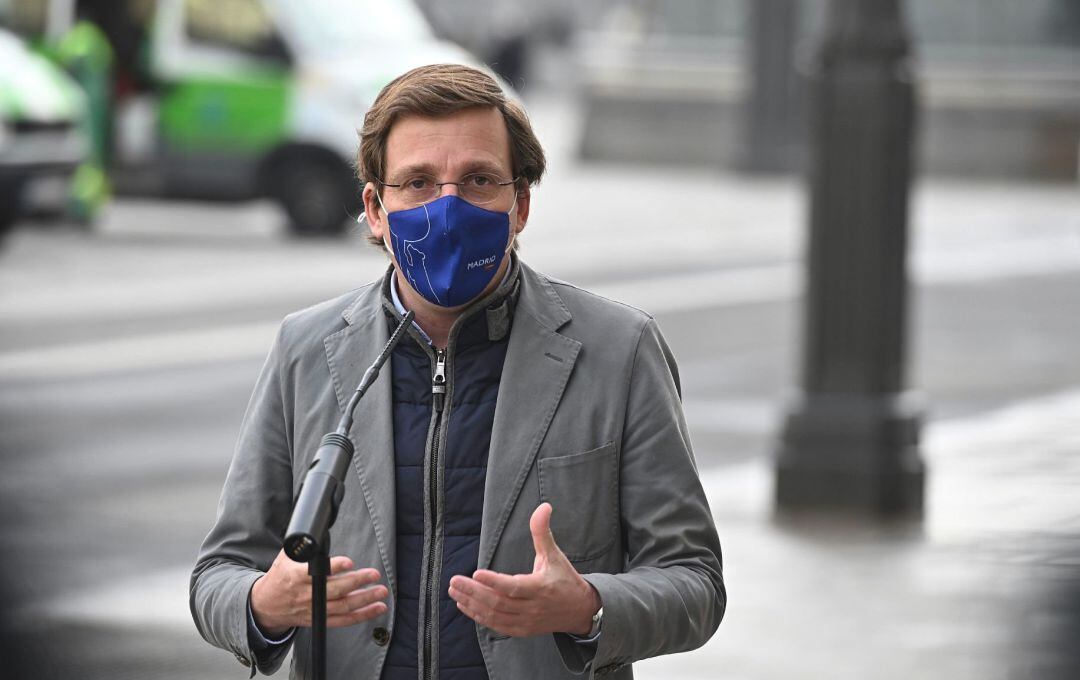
(486, 605)
(465, 589)
(282, 598)
(356, 600)
(518, 585)
(343, 584)
(499, 621)
(363, 614)
(540, 527)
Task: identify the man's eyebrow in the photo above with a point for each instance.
(485, 166)
(471, 167)
(415, 169)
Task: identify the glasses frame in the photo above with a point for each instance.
(459, 184)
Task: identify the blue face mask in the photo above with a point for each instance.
(449, 249)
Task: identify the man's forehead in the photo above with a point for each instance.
(475, 136)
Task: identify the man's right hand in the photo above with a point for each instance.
(281, 599)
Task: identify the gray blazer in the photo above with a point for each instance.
(588, 418)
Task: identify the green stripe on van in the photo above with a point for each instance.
(226, 114)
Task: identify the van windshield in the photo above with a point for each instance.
(336, 26)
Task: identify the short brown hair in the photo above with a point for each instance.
(440, 90)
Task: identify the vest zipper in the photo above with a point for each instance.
(438, 395)
(438, 382)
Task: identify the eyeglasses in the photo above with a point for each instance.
(478, 188)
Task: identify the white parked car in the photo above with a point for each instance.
(42, 132)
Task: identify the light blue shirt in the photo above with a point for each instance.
(396, 299)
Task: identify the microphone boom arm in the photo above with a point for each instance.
(324, 484)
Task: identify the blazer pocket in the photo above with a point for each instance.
(583, 490)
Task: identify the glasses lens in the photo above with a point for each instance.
(418, 189)
(480, 188)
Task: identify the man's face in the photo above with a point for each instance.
(447, 148)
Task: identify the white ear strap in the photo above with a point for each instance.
(363, 216)
(513, 232)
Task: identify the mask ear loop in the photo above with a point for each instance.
(513, 232)
(363, 216)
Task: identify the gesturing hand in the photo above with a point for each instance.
(281, 599)
(554, 598)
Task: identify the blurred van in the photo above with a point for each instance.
(43, 138)
(239, 99)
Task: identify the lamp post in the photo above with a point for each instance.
(850, 439)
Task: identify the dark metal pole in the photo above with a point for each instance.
(319, 570)
(770, 91)
(850, 440)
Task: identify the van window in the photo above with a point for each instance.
(235, 25)
(25, 17)
(331, 27)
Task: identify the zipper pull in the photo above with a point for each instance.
(438, 382)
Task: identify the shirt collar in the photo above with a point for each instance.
(395, 298)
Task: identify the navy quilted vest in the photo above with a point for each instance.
(473, 367)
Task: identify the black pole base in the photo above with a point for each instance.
(852, 454)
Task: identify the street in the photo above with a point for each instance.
(127, 356)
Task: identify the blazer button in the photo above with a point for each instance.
(381, 636)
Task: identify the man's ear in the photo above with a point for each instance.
(523, 198)
(373, 213)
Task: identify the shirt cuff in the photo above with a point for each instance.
(258, 640)
(586, 641)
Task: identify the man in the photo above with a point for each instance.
(525, 502)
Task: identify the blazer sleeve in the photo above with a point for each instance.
(671, 597)
(252, 515)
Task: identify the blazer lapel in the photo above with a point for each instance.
(349, 353)
(538, 364)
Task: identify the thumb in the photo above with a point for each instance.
(540, 527)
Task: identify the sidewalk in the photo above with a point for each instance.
(987, 587)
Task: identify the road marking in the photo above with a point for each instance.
(152, 351)
(658, 295)
(158, 599)
(704, 290)
(318, 274)
(242, 341)
(999, 260)
(129, 295)
(739, 416)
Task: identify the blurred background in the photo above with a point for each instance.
(176, 176)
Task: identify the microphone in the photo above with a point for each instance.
(324, 485)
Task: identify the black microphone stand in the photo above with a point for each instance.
(318, 570)
(308, 537)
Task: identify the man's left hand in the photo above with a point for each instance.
(554, 598)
